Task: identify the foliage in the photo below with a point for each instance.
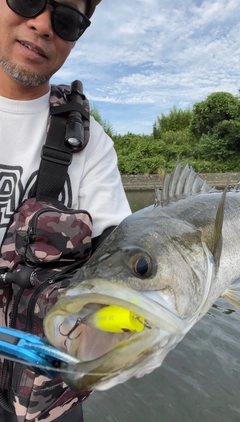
(229, 131)
(139, 154)
(215, 147)
(144, 154)
(208, 137)
(176, 120)
(207, 114)
(222, 146)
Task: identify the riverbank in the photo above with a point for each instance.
(149, 182)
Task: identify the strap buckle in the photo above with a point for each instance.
(55, 155)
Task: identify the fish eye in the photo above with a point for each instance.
(142, 265)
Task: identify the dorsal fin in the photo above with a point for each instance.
(183, 182)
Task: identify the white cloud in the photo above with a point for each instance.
(139, 59)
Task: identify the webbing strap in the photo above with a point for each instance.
(56, 153)
(56, 157)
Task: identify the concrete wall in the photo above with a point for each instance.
(149, 182)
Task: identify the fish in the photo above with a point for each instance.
(154, 277)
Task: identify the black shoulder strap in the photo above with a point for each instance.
(68, 109)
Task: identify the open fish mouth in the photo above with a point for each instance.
(110, 353)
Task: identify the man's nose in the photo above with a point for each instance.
(42, 23)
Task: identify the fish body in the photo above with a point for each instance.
(167, 264)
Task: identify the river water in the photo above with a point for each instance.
(199, 381)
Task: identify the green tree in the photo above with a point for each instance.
(229, 131)
(209, 113)
(215, 121)
(176, 120)
(222, 146)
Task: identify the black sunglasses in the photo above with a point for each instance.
(68, 23)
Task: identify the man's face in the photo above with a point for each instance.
(30, 51)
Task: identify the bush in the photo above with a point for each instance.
(208, 114)
(138, 154)
(229, 131)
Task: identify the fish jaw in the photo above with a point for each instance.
(107, 358)
(137, 357)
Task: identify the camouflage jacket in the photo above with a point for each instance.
(35, 397)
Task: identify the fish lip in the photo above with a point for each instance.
(102, 292)
(34, 47)
(101, 374)
(165, 326)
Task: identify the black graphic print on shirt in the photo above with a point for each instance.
(12, 191)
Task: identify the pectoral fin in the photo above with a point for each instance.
(232, 294)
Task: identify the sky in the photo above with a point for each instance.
(140, 58)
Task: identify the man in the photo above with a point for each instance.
(36, 38)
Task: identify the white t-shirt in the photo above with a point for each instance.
(94, 180)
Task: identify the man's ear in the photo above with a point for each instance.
(74, 43)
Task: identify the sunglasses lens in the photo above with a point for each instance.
(68, 23)
(26, 8)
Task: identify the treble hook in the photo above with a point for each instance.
(77, 323)
(145, 323)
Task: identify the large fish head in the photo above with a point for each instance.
(154, 266)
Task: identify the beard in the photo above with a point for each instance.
(19, 74)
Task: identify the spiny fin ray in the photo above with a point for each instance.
(182, 183)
